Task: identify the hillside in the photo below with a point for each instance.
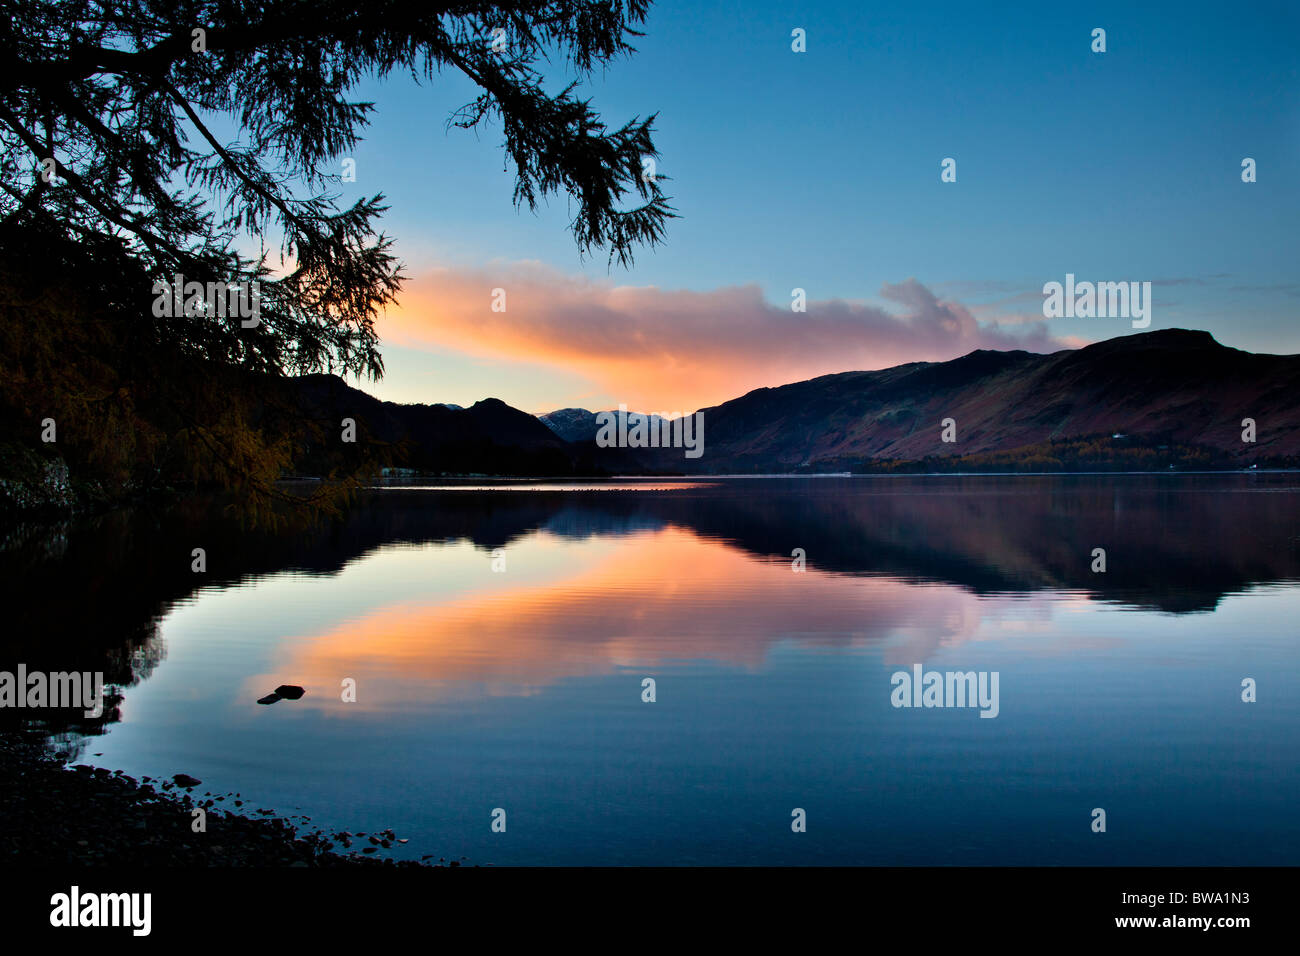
(1174, 388)
(1141, 402)
(489, 438)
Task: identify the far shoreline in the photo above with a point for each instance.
(387, 481)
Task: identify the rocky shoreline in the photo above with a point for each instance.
(55, 815)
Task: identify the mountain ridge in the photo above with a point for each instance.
(1154, 399)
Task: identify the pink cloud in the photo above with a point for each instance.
(678, 349)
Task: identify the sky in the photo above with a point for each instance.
(821, 171)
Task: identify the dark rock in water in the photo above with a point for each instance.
(185, 780)
(290, 691)
(268, 699)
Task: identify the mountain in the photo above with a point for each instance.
(571, 424)
(488, 438)
(1138, 402)
(1174, 388)
(580, 425)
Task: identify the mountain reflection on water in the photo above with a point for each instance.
(472, 675)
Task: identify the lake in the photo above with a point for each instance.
(499, 635)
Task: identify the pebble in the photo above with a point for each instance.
(54, 815)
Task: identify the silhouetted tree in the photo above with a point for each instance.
(116, 121)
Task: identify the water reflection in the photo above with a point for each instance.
(477, 686)
(89, 594)
(656, 599)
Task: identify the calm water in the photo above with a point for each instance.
(521, 688)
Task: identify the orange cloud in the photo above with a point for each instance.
(677, 350)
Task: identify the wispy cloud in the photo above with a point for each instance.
(670, 350)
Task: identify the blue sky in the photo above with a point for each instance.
(821, 170)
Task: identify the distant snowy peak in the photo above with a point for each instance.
(578, 424)
(571, 424)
